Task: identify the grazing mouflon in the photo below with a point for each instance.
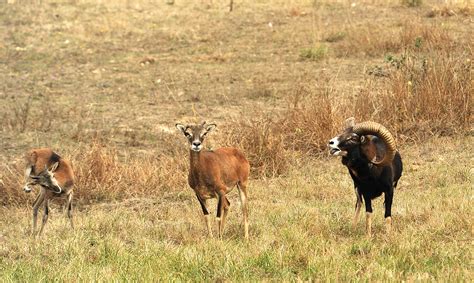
(54, 174)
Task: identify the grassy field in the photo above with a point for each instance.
(104, 83)
(300, 229)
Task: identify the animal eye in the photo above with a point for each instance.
(187, 134)
(353, 137)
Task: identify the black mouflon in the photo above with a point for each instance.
(361, 146)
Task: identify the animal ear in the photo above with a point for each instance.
(181, 127)
(363, 139)
(210, 127)
(53, 167)
(34, 157)
(349, 123)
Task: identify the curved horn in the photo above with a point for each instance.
(373, 128)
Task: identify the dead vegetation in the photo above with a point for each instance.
(262, 141)
(104, 83)
(103, 174)
(425, 95)
(449, 11)
(375, 40)
(107, 114)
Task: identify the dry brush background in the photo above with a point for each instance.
(104, 82)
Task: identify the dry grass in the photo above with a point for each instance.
(311, 117)
(411, 3)
(262, 141)
(300, 230)
(377, 40)
(104, 173)
(104, 84)
(420, 98)
(450, 11)
(423, 96)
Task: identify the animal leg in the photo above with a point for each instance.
(222, 210)
(27, 188)
(357, 208)
(224, 214)
(207, 216)
(388, 210)
(36, 204)
(368, 224)
(368, 210)
(243, 201)
(69, 209)
(45, 215)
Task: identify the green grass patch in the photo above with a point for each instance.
(316, 53)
